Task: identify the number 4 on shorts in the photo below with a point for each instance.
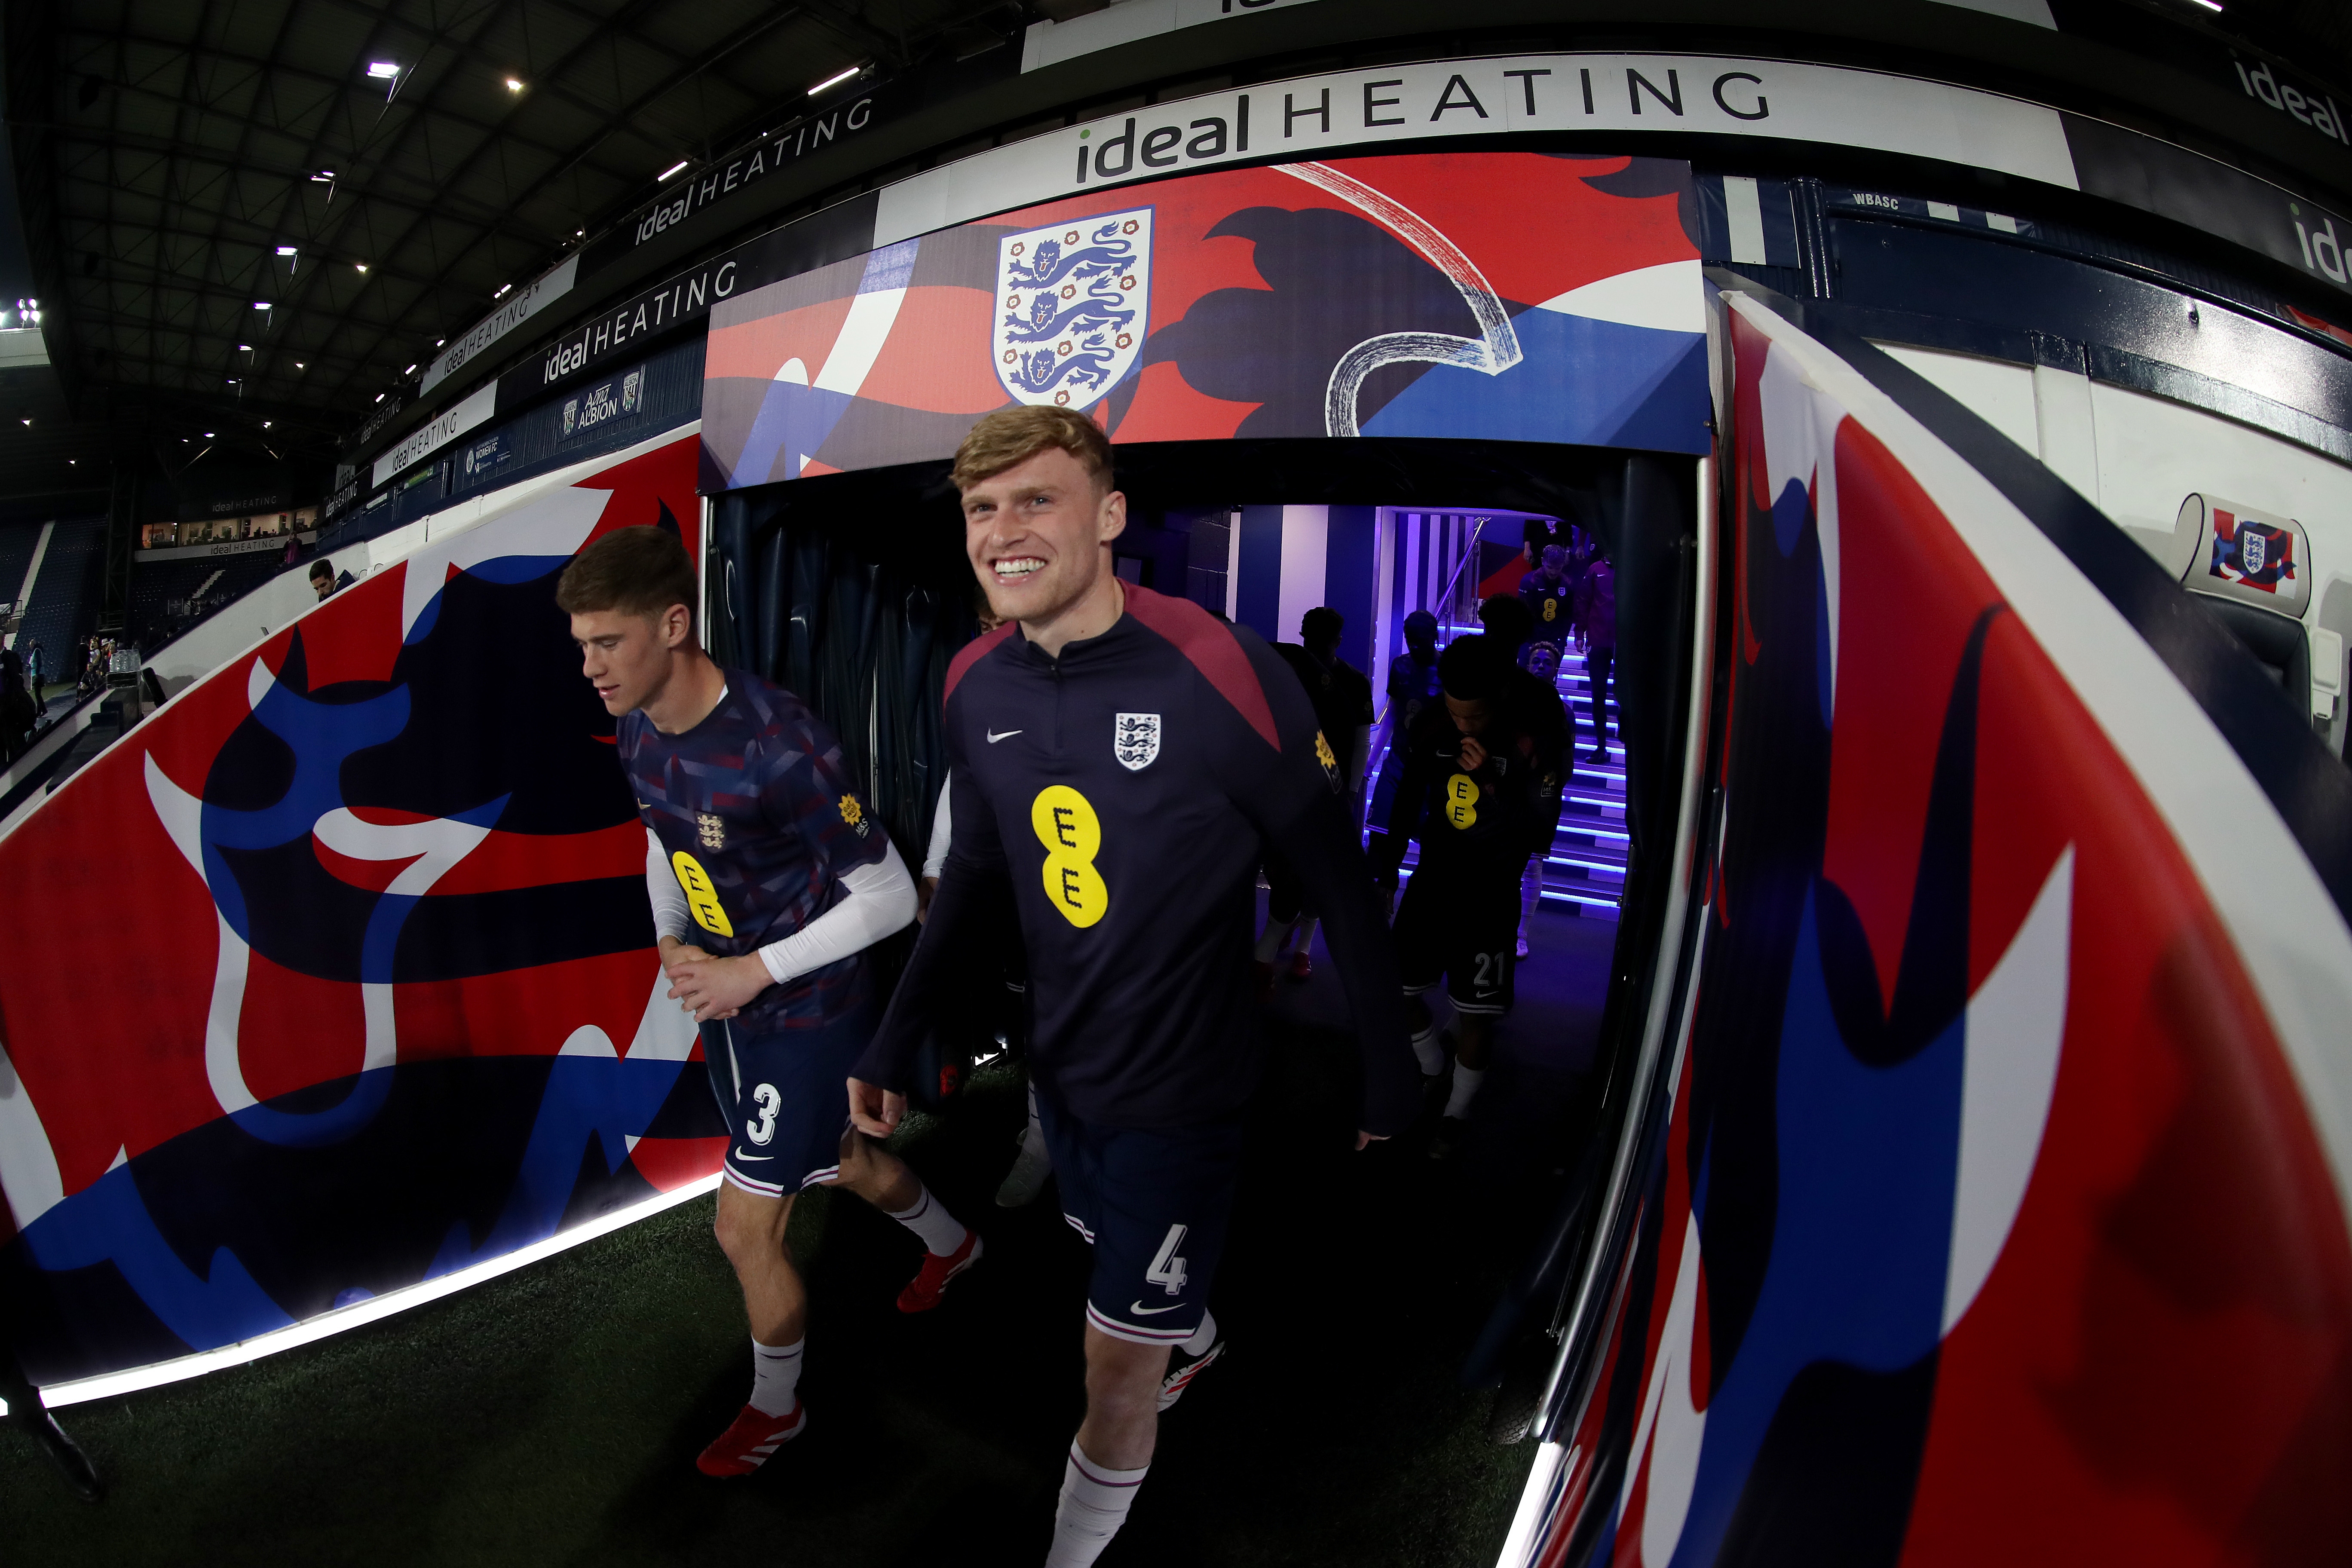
(1167, 1268)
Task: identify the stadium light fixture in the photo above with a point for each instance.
(264, 425)
(502, 291)
(209, 434)
(245, 348)
(382, 70)
(324, 177)
(261, 304)
(288, 250)
(360, 265)
(834, 80)
(379, 398)
(410, 371)
(299, 366)
(513, 85)
(672, 170)
(2210, 4)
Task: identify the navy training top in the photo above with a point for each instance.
(759, 819)
(1127, 790)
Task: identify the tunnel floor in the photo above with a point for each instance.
(552, 1415)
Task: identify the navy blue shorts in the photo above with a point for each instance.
(1460, 924)
(1155, 1206)
(785, 1096)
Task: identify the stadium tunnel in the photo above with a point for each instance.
(1935, 1141)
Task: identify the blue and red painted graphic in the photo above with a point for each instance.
(1503, 295)
(362, 988)
(1990, 1221)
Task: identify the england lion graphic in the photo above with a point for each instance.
(1073, 303)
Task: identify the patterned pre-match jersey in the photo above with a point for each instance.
(756, 813)
(1128, 790)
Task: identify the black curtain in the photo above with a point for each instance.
(853, 593)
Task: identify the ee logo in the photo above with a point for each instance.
(1066, 826)
(701, 896)
(1461, 800)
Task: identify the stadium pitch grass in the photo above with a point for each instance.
(551, 1416)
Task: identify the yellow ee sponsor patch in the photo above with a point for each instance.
(1461, 800)
(1551, 608)
(1323, 755)
(701, 896)
(854, 815)
(1065, 824)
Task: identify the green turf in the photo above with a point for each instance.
(551, 1416)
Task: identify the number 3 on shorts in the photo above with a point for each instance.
(1167, 1268)
(768, 1101)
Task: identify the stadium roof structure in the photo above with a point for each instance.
(271, 209)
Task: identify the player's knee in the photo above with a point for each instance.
(1124, 1386)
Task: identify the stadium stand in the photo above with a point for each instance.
(16, 545)
(63, 607)
(169, 597)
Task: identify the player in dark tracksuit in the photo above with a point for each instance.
(1123, 760)
(1481, 792)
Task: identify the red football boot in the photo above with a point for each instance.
(746, 1445)
(923, 1292)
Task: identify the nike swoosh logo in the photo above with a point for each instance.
(741, 1155)
(1140, 1311)
(993, 737)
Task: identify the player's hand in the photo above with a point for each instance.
(1474, 755)
(673, 951)
(875, 1110)
(1366, 1140)
(925, 891)
(715, 988)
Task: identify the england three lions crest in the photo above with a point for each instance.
(1072, 305)
(1134, 740)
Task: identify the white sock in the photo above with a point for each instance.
(775, 1374)
(1270, 940)
(1033, 1137)
(1203, 1337)
(1094, 1505)
(1307, 934)
(1466, 1089)
(930, 1220)
(1426, 1047)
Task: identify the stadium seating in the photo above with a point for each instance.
(63, 608)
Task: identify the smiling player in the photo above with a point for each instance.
(1125, 759)
(761, 851)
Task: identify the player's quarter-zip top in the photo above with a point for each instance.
(1127, 833)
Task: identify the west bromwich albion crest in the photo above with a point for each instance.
(1134, 740)
(1073, 302)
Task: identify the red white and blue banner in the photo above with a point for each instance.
(1497, 295)
(335, 978)
(1998, 1212)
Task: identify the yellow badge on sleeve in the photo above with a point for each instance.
(701, 895)
(854, 815)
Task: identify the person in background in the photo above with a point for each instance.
(1341, 696)
(16, 710)
(1550, 597)
(1539, 534)
(1596, 635)
(322, 578)
(1413, 682)
(1535, 691)
(33, 660)
(1481, 792)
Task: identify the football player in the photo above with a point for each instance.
(1125, 761)
(1481, 792)
(1412, 684)
(769, 879)
(1341, 696)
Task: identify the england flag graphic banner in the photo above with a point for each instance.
(1071, 316)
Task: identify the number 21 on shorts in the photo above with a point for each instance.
(1167, 1270)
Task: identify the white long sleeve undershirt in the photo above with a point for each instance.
(876, 900)
(936, 858)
